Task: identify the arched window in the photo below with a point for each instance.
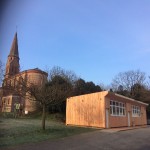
(9, 82)
(14, 82)
(8, 101)
(3, 101)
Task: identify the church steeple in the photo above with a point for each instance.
(12, 66)
(14, 47)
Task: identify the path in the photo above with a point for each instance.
(137, 139)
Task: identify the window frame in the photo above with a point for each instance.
(117, 108)
(136, 111)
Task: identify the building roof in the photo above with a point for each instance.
(28, 71)
(107, 93)
(14, 47)
(131, 99)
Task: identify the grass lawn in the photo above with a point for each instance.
(28, 130)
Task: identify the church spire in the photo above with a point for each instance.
(14, 47)
(12, 66)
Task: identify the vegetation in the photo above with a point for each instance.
(133, 84)
(82, 87)
(63, 84)
(27, 130)
(53, 94)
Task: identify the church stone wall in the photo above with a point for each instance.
(36, 78)
(33, 76)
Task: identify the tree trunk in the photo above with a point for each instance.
(43, 117)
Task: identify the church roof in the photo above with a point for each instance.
(14, 47)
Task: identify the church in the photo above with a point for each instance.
(12, 76)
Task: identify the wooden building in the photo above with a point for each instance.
(105, 110)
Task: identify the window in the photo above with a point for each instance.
(9, 82)
(8, 101)
(12, 82)
(117, 108)
(136, 111)
(4, 101)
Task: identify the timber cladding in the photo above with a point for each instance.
(94, 110)
(86, 110)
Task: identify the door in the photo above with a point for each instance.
(129, 124)
(107, 118)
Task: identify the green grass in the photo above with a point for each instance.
(28, 130)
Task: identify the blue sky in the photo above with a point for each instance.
(96, 39)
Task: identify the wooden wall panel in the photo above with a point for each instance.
(86, 110)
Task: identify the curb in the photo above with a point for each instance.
(113, 130)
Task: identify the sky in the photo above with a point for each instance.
(96, 39)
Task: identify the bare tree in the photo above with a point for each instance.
(148, 83)
(48, 94)
(43, 95)
(104, 87)
(128, 79)
(58, 71)
(132, 84)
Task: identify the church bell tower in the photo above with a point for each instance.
(12, 66)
